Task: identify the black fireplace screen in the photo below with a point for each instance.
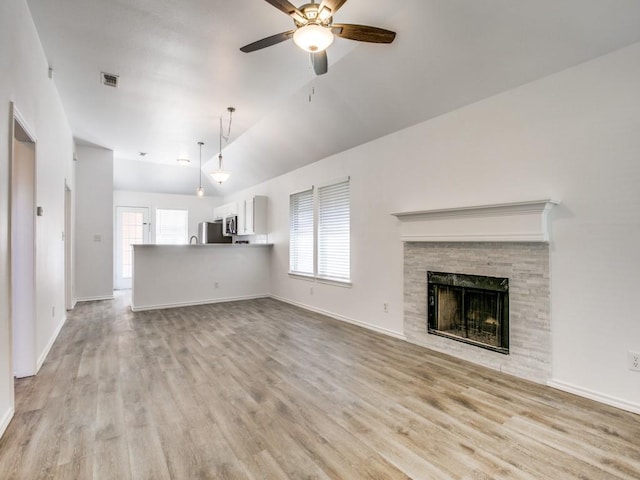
(469, 308)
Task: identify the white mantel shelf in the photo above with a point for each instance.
(505, 222)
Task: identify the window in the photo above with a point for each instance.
(334, 239)
(301, 233)
(320, 233)
(172, 227)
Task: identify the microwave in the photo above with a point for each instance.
(230, 225)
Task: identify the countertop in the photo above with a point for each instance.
(202, 245)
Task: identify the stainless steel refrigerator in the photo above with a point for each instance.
(211, 232)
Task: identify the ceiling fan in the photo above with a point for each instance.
(315, 30)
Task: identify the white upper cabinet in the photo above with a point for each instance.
(226, 210)
(252, 216)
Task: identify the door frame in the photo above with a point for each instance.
(25, 329)
(69, 301)
(117, 280)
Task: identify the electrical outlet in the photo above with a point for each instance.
(385, 307)
(53, 311)
(216, 285)
(310, 290)
(634, 361)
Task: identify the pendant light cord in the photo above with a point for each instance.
(220, 151)
(226, 138)
(200, 143)
(222, 135)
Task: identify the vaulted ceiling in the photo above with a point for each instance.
(180, 67)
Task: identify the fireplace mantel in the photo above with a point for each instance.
(506, 222)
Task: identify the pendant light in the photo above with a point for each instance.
(221, 175)
(200, 190)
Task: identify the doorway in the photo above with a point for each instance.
(132, 226)
(23, 248)
(68, 250)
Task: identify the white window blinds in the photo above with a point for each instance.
(334, 239)
(172, 227)
(301, 233)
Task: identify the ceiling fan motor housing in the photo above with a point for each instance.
(313, 15)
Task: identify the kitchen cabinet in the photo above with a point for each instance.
(226, 210)
(252, 216)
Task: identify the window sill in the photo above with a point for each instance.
(302, 276)
(327, 281)
(332, 281)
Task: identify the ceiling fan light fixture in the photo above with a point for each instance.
(313, 37)
(183, 161)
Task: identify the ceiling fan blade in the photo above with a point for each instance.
(320, 63)
(267, 42)
(363, 33)
(332, 5)
(288, 8)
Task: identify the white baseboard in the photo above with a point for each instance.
(45, 352)
(93, 299)
(368, 326)
(196, 302)
(5, 421)
(598, 397)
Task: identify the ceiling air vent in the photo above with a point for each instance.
(110, 80)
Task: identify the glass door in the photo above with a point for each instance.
(132, 226)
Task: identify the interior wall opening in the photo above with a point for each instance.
(68, 249)
(23, 250)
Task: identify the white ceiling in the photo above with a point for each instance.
(180, 67)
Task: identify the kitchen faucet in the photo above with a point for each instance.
(192, 237)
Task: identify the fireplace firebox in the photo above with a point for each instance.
(469, 308)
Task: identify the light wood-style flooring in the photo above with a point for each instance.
(263, 390)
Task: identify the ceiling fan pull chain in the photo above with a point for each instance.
(312, 93)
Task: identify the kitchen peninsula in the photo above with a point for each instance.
(166, 276)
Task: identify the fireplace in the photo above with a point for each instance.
(472, 309)
(506, 241)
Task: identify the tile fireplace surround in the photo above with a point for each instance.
(507, 240)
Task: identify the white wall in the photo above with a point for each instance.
(94, 224)
(572, 136)
(200, 208)
(24, 81)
